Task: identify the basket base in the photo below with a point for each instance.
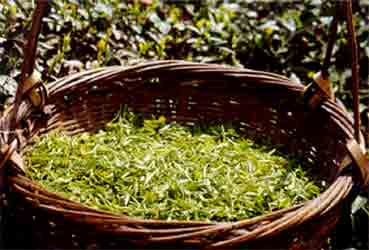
(28, 227)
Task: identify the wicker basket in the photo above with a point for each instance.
(262, 105)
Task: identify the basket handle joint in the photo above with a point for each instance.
(35, 90)
(318, 91)
(358, 157)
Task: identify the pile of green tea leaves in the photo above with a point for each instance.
(152, 169)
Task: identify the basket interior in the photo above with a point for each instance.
(273, 113)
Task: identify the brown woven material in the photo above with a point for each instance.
(262, 106)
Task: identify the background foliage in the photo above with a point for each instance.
(289, 38)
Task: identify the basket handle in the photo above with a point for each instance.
(354, 69)
(355, 146)
(31, 79)
(343, 9)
